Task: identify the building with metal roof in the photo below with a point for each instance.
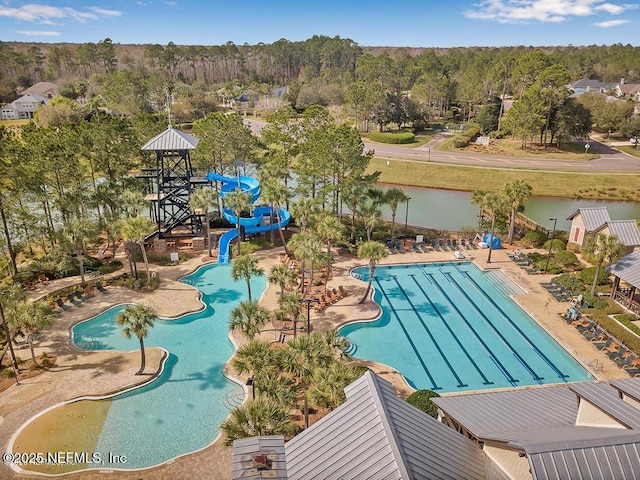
(626, 230)
(626, 270)
(580, 430)
(376, 435)
(585, 221)
(259, 457)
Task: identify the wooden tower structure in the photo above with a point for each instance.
(171, 183)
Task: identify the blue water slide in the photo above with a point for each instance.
(260, 220)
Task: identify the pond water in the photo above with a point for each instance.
(452, 210)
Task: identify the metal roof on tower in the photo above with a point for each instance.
(171, 139)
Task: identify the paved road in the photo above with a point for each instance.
(610, 158)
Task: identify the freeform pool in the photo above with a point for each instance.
(452, 327)
(181, 411)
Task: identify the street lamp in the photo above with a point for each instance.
(308, 301)
(406, 220)
(251, 383)
(553, 231)
(8, 335)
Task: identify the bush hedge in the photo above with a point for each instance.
(588, 274)
(395, 138)
(422, 401)
(567, 259)
(558, 245)
(461, 140)
(534, 238)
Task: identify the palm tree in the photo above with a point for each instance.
(393, 197)
(246, 267)
(306, 247)
(337, 342)
(136, 230)
(477, 198)
(136, 320)
(30, 318)
(280, 388)
(373, 252)
(262, 416)
(330, 229)
(277, 195)
(255, 358)
(304, 211)
(283, 276)
(248, 317)
(354, 194)
(328, 388)
(290, 305)
(301, 358)
(603, 248)
(517, 191)
(200, 201)
(371, 218)
(238, 201)
(496, 204)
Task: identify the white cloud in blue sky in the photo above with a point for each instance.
(555, 11)
(412, 23)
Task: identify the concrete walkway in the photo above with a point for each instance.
(78, 373)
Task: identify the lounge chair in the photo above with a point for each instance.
(596, 365)
(595, 335)
(533, 271)
(625, 360)
(600, 344)
(458, 255)
(586, 328)
(72, 299)
(62, 304)
(101, 289)
(343, 291)
(80, 296)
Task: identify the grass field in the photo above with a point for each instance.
(609, 186)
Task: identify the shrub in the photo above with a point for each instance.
(8, 373)
(110, 267)
(395, 138)
(558, 245)
(422, 401)
(534, 238)
(573, 247)
(588, 274)
(567, 259)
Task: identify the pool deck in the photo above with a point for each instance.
(79, 373)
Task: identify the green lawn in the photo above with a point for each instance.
(610, 186)
(512, 147)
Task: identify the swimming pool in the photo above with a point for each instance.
(452, 327)
(181, 411)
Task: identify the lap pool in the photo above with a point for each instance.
(452, 327)
(181, 411)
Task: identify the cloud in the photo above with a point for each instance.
(46, 14)
(38, 33)
(553, 11)
(611, 23)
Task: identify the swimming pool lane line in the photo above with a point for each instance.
(522, 361)
(452, 333)
(420, 359)
(515, 326)
(502, 368)
(461, 384)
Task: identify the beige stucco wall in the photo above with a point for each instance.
(631, 401)
(510, 462)
(577, 223)
(590, 416)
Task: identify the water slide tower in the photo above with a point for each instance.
(171, 183)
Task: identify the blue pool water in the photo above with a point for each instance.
(182, 410)
(452, 327)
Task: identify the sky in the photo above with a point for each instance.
(411, 23)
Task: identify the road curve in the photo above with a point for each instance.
(610, 160)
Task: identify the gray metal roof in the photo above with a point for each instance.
(558, 438)
(620, 461)
(607, 399)
(593, 217)
(628, 386)
(171, 139)
(246, 449)
(374, 434)
(485, 414)
(626, 230)
(627, 268)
